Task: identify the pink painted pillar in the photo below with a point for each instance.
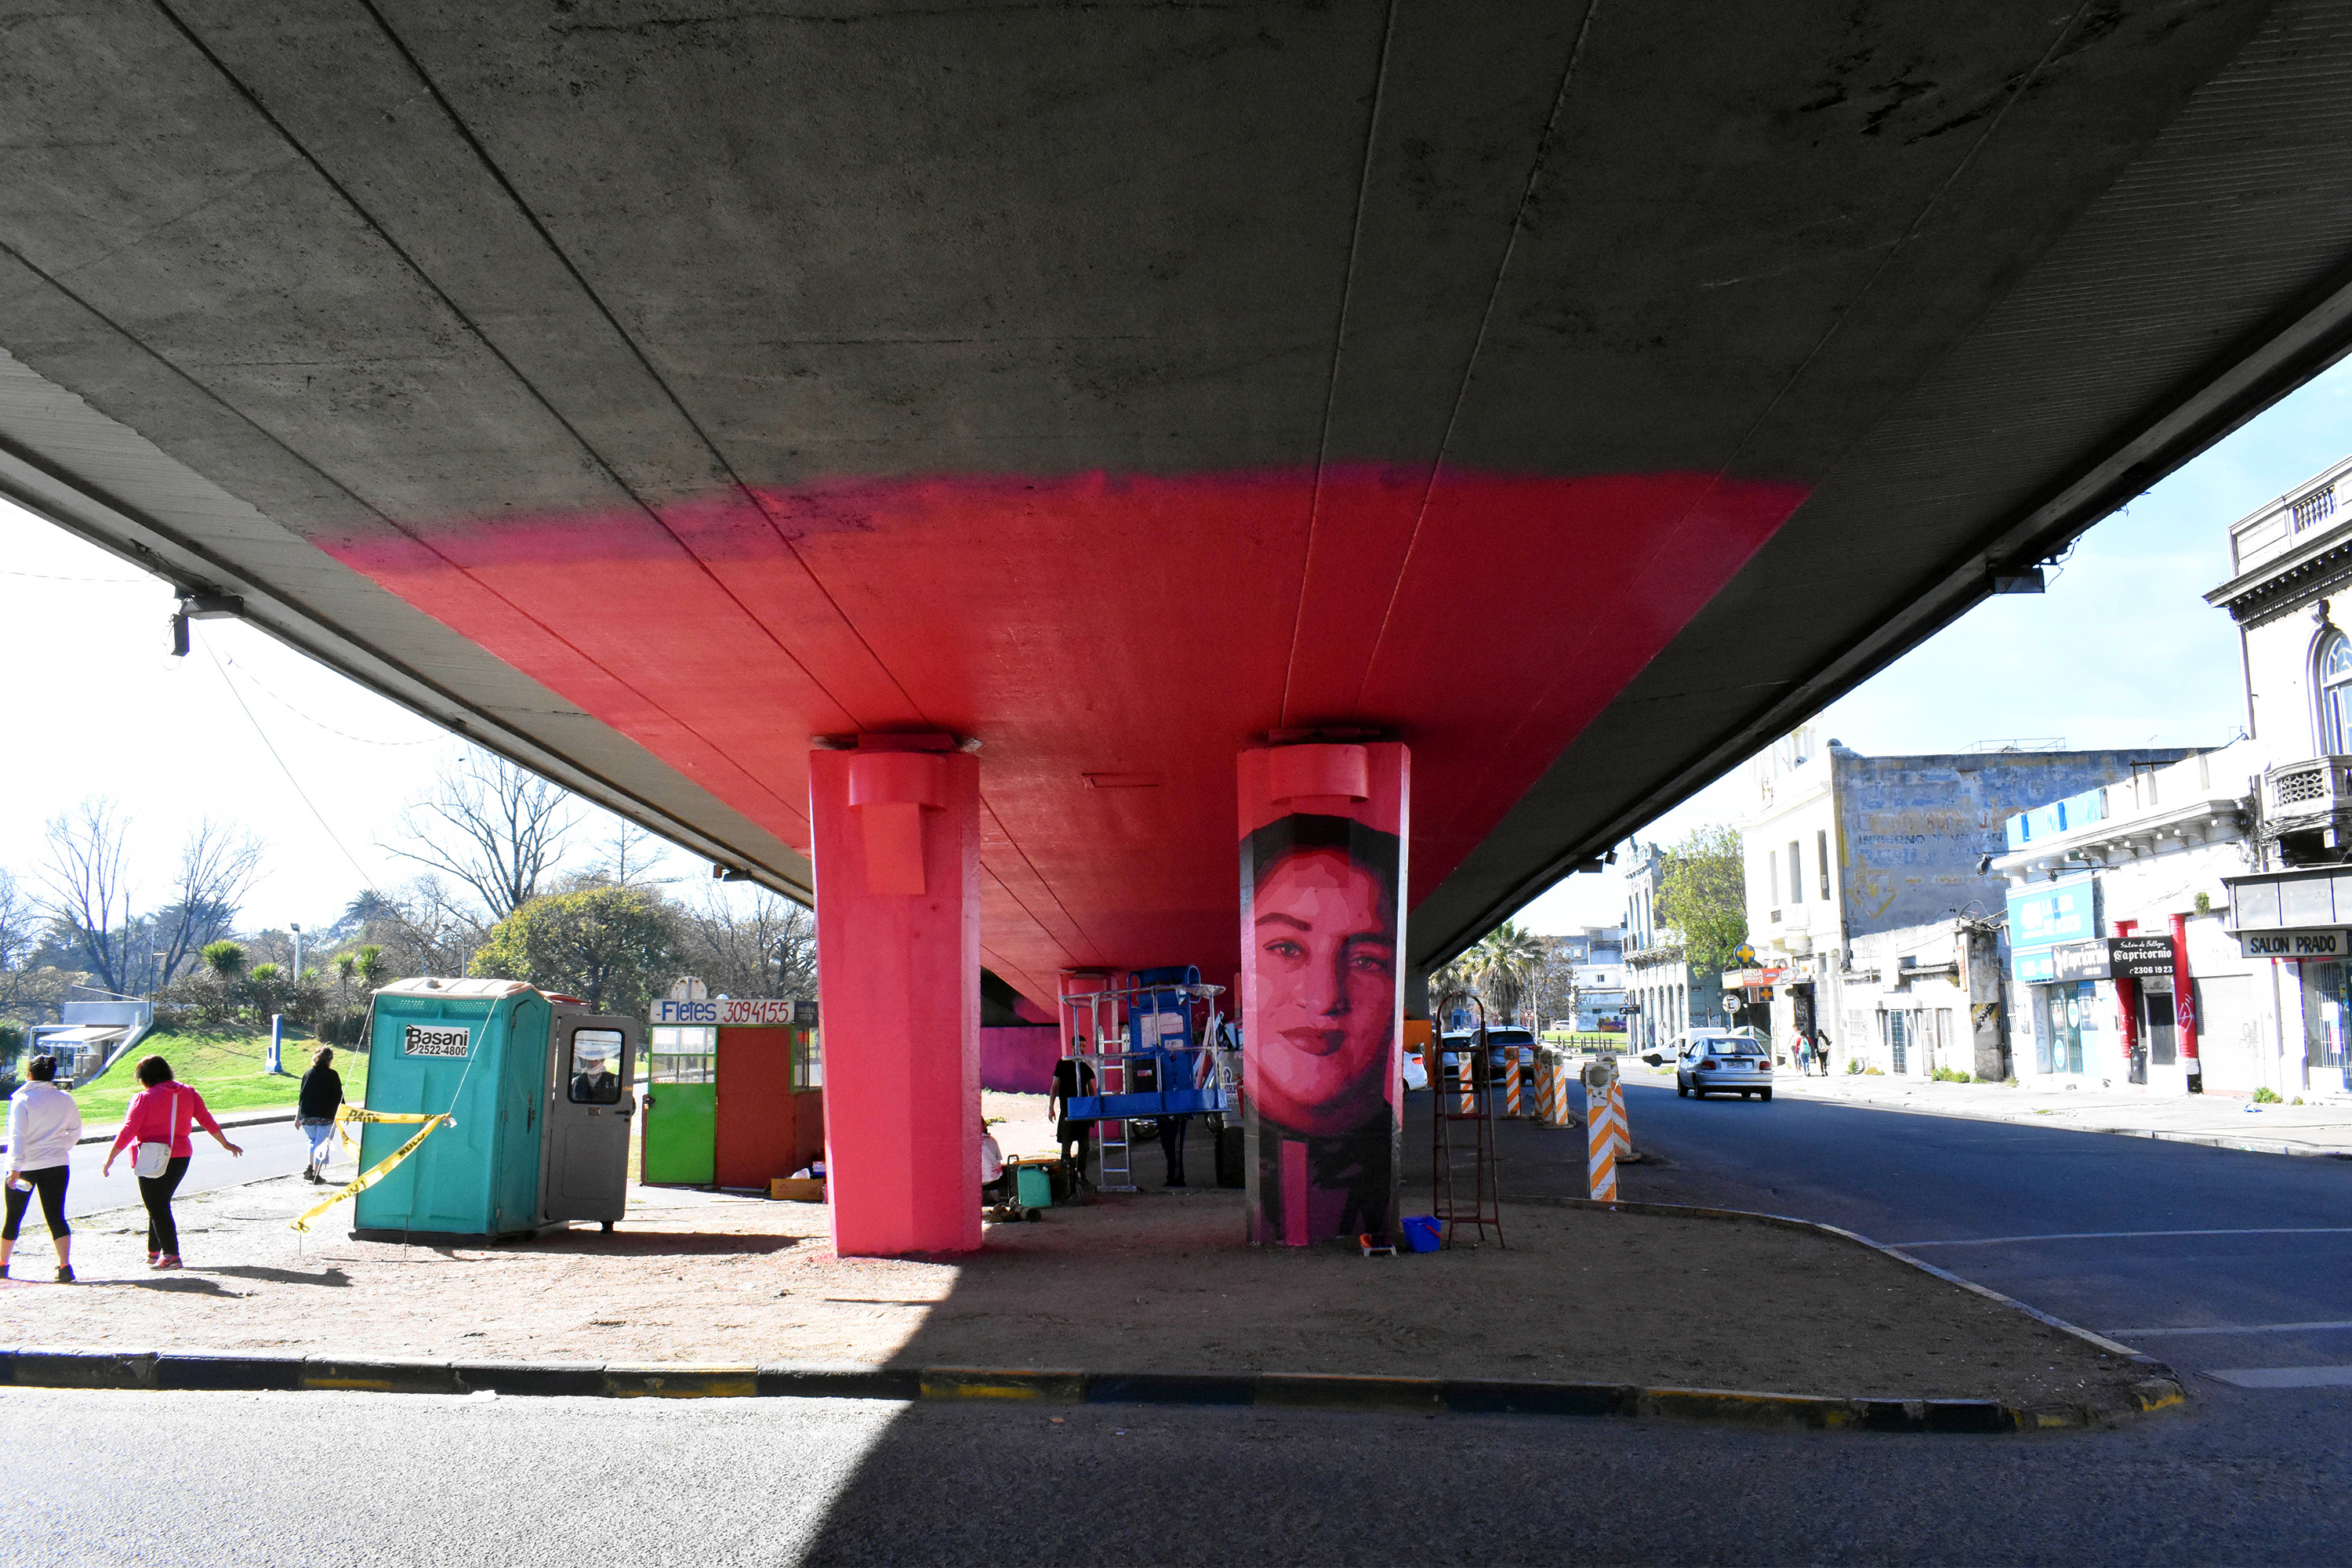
(1324, 834)
(897, 832)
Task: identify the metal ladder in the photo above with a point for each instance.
(1114, 1156)
(1462, 1131)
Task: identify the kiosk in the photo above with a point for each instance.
(735, 1091)
(537, 1090)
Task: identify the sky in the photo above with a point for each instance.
(2121, 651)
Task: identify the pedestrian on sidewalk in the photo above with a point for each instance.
(44, 1125)
(314, 1109)
(159, 1120)
(1822, 1050)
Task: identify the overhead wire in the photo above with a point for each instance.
(330, 729)
(244, 707)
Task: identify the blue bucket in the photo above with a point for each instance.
(1421, 1232)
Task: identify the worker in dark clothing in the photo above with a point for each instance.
(1072, 1079)
(1171, 1147)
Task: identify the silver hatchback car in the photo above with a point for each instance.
(1724, 1063)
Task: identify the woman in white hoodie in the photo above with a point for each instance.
(44, 1125)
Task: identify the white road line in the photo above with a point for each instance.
(2234, 1328)
(2122, 1236)
(2285, 1376)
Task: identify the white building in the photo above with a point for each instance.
(2186, 930)
(1871, 905)
(1660, 999)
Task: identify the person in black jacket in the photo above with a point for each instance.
(314, 1109)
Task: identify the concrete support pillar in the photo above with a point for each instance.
(897, 836)
(1324, 834)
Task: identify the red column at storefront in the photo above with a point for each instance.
(1323, 846)
(2184, 998)
(2128, 1003)
(897, 831)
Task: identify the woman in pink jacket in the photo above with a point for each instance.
(164, 1113)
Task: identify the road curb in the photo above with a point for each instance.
(2160, 1388)
(230, 1371)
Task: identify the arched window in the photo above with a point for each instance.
(2335, 667)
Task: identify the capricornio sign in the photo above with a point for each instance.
(438, 1040)
(724, 1010)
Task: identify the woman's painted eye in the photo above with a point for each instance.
(1283, 947)
(1370, 963)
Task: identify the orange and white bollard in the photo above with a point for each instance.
(1617, 1105)
(1511, 1083)
(1604, 1123)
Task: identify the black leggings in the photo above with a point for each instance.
(156, 1192)
(51, 1185)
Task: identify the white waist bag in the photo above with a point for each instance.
(150, 1158)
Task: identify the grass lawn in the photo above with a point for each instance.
(223, 1067)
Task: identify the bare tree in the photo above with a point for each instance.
(428, 930)
(88, 892)
(494, 827)
(629, 857)
(765, 949)
(217, 868)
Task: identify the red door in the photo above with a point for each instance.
(758, 1136)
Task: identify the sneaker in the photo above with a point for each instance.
(65, 1274)
(170, 1260)
(154, 1259)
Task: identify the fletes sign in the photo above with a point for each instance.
(768, 1011)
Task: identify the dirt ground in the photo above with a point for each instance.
(1151, 1282)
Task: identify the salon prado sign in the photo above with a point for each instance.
(774, 1011)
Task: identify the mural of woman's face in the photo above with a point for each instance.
(1324, 962)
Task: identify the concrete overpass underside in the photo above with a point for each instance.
(1579, 393)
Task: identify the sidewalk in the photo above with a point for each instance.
(2216, 1121)
(1149, 1283)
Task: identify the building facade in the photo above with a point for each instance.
(1663, 997)
(1873, 905)
(2186, 931)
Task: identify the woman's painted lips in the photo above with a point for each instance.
(1316, 1042)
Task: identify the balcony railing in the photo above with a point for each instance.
(2309, 794)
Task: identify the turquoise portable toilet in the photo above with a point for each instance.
(538, 1091)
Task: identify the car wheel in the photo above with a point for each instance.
(1764, 1095)
(1682, 1091)
(1743, 1094)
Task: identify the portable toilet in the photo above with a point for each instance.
(537, 1089)
(736, 1097)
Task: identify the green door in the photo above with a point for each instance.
(680, 1110)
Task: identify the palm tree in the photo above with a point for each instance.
(1508, 959)
(369, 960)
(347, 965)
(225, 959)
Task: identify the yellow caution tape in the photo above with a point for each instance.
(377, 1171)
(349, 1113)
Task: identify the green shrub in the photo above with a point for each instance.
(2266, 1095)
(2010, 1082)
(1852, 1066)
(1873, 1072)
(1954, 1074)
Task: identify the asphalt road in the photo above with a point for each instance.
(271, 1149)
(2213, 1260)
(305, 1478)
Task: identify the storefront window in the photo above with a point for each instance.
(2324, 1005)
(2068, 1037)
